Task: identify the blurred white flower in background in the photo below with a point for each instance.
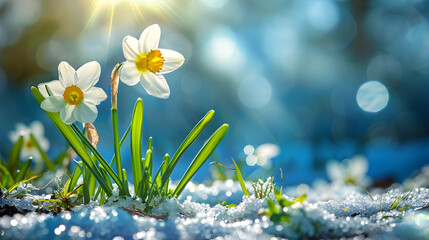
(421, 179)
(146, 63)
(262, 155)
(349, 171)
(28, 148)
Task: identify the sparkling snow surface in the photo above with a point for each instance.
(330, 212)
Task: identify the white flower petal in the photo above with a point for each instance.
(129, 74)
(95, 95)
(173, 60)
(155, 85)
(36, 128)
(44, 144)
(54, 86)
(67, 114)
(53, 104)
(149, 39)
(268, 150)
(32, 152)
(66, 74)
(88, 75)
(85, 112)
(14, 136)
(130, 47)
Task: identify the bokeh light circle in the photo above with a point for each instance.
(372, 96)
(323, 15)
(254, 92)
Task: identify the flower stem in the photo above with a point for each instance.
(117, 147)
(116, 143)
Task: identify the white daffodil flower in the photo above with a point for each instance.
(74, 95)
(146, 62)
(262, 155)
(28, 148)
(349, 171)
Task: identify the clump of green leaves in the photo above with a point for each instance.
(277, 209)
(95, 169)
(226, 205)
(63, 198)
(13, 172)
(263, 189)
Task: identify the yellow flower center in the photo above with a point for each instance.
(29, 144)
(350, 180)
(73, 95)
(152, 62)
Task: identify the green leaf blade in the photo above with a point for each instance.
(195, 132)
(14, 154)
(201, 157)
(136, 141)
(240, 179)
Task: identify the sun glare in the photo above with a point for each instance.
(109, 10)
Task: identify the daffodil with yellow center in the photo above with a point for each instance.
(146, 63)
(74, 94)
(29, 149)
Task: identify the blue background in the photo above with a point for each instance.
(284, 72)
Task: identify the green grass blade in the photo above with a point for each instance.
(149, 144)
(10, 189)
(403, 208)
(74, 177)
(98, 156)
(74, 142)
(23, 171)
(201, 157)
(120, 144)
(44, 156)
(281, 182)
(368, 193)
(395, 203)
(116, 143)
(106, 175)
(7, 178)
(92, 183)
(148, 164)
(154, 182)
(102, 197)
(136, 144)
(164, 190)
(300, 198)
(125, 177)
(163, 168)
(195, 132)
(240, 179)
(97, 193)
(86, 185)
(14, 154)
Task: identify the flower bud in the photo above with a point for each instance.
(92, 134)
(114, 85)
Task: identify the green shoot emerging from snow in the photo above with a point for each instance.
(278, 210)
(263, 189)
(226, 205)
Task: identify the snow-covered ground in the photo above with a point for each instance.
(330, 211)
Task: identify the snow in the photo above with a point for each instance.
(330, 211)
